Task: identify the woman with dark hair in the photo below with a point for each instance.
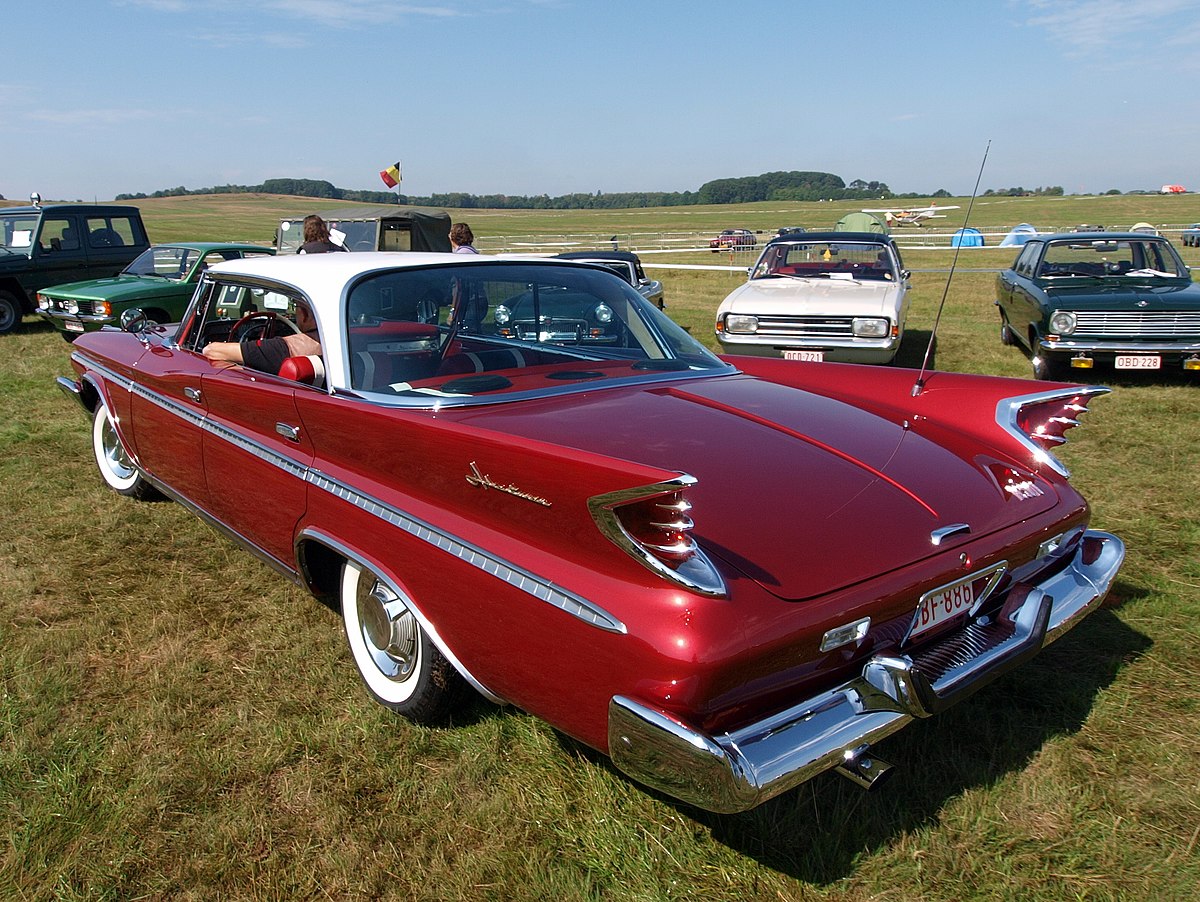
(316, 237)
(462, 239)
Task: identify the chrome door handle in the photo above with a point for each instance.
(192, 394)
(291, 433)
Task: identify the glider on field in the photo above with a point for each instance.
(911, 215)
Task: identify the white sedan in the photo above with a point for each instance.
(839, 296)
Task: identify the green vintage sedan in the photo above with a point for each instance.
(160, 282)
(1074, 301)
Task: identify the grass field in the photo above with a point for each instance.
(178, 722)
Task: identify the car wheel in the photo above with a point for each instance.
(117, 469)
(1006, 334)
(1050, 370)
(10, 312)
(403, 670)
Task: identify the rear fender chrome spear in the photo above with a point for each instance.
(920, 383)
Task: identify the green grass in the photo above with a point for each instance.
(179, 722)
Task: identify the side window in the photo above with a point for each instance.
(111, 231)
(1025, 261)
(58, 235)
(220, 305)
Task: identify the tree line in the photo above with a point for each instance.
(769, 186)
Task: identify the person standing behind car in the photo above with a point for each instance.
(316, 237)
(462, 239)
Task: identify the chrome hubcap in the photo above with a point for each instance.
(114, 453)
(390, 631)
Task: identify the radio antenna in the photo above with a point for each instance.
(920, 383)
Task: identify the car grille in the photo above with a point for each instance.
(805, 327)
(1137, 322)
(60, 305)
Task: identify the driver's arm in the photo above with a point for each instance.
(228, 351)
(265, 354)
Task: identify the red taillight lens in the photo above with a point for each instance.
(1047, 422)
(651, 524)
(661, 525)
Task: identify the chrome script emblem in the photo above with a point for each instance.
(485, 481)
(1023, 490)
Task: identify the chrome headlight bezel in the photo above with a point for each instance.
(1062, 322)
(871, 327)
(741, 323)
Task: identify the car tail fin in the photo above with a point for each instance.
(651, 523)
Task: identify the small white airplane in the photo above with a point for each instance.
(911, 215)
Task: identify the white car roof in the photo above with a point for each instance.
(323, 277)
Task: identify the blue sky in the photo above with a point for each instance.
(557, 96)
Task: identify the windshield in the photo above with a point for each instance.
(827, 260)
(16, 232)
(1111, 258)
(173, 263)
(526, 326)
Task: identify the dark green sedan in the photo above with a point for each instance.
(1123, 300)
(161, 282)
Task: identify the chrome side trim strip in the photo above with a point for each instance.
(539, 588)
(193, 417)
(249, 445)
(91, 364)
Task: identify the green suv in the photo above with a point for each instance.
(49, 244)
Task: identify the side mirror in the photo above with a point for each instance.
(135, 321)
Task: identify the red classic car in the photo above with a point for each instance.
(728, 574)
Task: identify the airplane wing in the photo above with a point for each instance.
(933, 209)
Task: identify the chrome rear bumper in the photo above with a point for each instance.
(739, 770)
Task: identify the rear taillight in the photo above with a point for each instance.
(653, 525)
(1040, 421)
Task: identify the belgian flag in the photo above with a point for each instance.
(391, 175)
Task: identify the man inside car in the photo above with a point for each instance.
(268, 354)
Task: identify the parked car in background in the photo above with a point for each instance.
(785, 231)
(1124, 300)
(628, 266)
(840, 296)
(1191, 235)
(574, 528)
(736, 239)
(48, 244)
(160, 282)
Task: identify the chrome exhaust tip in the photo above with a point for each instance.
(863, 769)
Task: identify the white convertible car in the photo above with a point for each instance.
(840, 296)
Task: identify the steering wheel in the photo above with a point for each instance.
(270, 317)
